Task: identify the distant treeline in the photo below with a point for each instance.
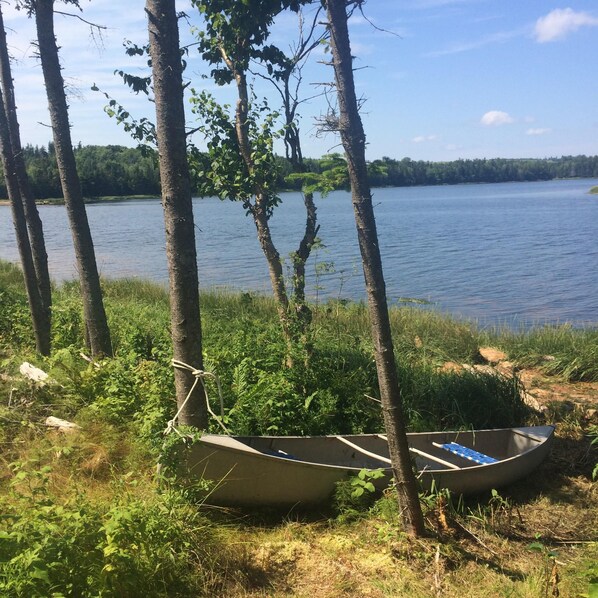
(110, 170)
(120, 171)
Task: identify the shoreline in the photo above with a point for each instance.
(59, 201)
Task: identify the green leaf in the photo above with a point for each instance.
(40, 574)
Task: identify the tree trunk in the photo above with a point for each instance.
(178, 208)
(262, 225)
(353, 140)
(34, 223)
(294, 155)
(294, 325)
(300, 257)
(259, 211)
(41, 323)
(93, 306)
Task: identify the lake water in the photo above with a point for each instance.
(510, 253)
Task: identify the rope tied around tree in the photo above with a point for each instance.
(200, 376)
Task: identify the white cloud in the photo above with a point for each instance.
(494, 38)
(495, 118)
(422, 138)
(538, 131)
(559, 22)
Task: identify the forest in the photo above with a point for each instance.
(118, 171)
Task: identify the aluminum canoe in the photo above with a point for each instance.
(282, 471)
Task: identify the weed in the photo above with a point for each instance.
(155, 546)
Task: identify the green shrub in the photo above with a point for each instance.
(152, 546)
(15, 320)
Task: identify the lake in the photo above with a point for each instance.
(512, 253)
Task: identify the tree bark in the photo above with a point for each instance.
(177, 204)
(300, 257)
(41, 324)
(353, 140)
(34, 223)
(93, 306)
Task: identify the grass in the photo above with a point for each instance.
(83, 514)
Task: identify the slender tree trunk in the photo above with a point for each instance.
(93, 306)
(294, 155)
(178, 208)
(259, 211)
(260, 217)
(300, 257)
(34, 223)
(292, 329)
(353, 139)
(41, 324)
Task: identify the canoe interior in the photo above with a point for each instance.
(328, 450)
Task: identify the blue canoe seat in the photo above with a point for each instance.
(467, 453)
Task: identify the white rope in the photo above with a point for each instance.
(199, 377)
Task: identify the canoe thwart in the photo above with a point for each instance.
(425, 455)
(434, 458)
(466, 453)
(363, 451)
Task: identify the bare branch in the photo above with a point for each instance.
(381, 29)
(69, 14)
(192, 131)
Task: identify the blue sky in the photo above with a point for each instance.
(447, 79)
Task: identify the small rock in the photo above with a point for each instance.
(61, 424)
(451, 366)
(532, 402)
(506, 368)
(529, 377)
(486, 369)
(492, 355)
(34, 374)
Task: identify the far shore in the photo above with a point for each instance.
(57, 201)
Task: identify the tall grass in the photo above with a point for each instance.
(563, 351)
(323, 394)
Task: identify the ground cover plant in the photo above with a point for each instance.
(83, 514)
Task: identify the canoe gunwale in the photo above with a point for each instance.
(215, 441)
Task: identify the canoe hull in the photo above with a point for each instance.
(287, 471)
